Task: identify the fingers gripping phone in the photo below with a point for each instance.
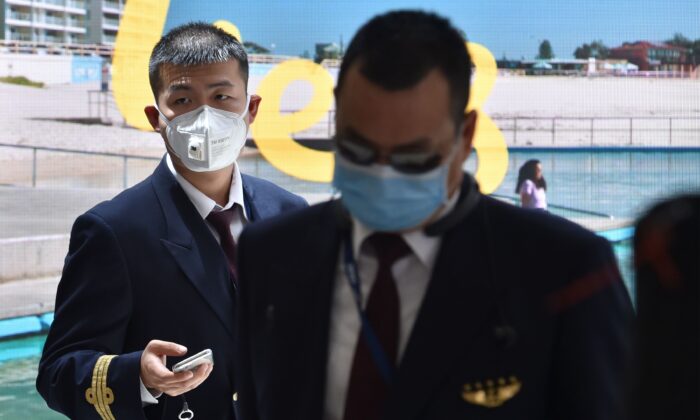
(204, 356)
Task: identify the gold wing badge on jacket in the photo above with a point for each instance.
(491, 393)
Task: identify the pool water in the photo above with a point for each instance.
(19, 398)
(618, 182)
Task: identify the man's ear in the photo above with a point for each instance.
(468, 130)
(153, 117)
(253, 108)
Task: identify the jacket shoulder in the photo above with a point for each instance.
(301, 223)
(536, 224)
(266, 190)
(137, 203)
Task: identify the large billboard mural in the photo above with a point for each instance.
(141, 27)
(603, 94)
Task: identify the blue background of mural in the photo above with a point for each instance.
(512, 28)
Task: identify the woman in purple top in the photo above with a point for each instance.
(531, 185)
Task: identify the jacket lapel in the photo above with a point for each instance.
(193, 247)
(251, 209)
(455, 308)
(323, 247)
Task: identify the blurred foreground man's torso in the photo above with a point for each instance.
(413, 296)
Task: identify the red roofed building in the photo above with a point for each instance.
(651, 56)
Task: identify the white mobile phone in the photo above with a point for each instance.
(204, 356)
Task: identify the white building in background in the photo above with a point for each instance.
(61, 21)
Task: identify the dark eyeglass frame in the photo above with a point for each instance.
(405, 162)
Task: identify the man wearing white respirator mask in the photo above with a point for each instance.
(151, 275)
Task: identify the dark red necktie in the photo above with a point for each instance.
(367, 389)
(221, 221)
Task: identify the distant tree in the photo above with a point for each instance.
(695, 53)
(255, 48)
(583, 52)
(679, 40)
(692, 47)
(546, 52)
(595, 49)
(306, 55)
(327, 50)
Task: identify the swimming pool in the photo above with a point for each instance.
(18, 395)
(620, 182)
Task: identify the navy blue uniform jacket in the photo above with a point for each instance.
(554, 286)
(145, 266)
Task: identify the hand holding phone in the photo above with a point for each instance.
(191, 363)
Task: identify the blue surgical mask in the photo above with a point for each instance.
(386, 200)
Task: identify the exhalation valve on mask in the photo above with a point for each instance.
(207, 139)
(196, 149)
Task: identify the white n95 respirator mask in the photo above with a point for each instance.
(207, 139)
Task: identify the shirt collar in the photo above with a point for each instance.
(204, 204)
(423, 246)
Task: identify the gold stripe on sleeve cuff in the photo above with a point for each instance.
(99, 394)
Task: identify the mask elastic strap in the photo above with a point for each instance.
(247, 104)
(162, 116)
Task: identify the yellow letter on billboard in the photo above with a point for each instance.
(489, 143)
(140, 29)
(272, 129)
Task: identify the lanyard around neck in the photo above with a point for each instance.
(386, 369)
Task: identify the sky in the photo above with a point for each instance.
(511, 28)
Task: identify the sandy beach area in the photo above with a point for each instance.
(530, 111)
(31, 115)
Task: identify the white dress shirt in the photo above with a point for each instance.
(204, 206)
(412, 275)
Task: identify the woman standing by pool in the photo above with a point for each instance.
(531, 185)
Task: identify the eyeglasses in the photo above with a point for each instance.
(406, 162)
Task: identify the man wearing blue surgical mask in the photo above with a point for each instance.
(406, 298)
(151, 276)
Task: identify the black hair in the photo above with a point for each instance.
(529, 171)
(398, 49)
(193, 44)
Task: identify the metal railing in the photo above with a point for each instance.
(51, 20)
(75, 4)
(124, 158)
(110, 22)
(111, 5)
(75, 23)
(21, 46)
(591, 131)
(25, 17)
(52, 2)
(101, 105)
(20, 37)
(557, 127)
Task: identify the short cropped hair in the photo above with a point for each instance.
(398, 49)
(194, 44)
